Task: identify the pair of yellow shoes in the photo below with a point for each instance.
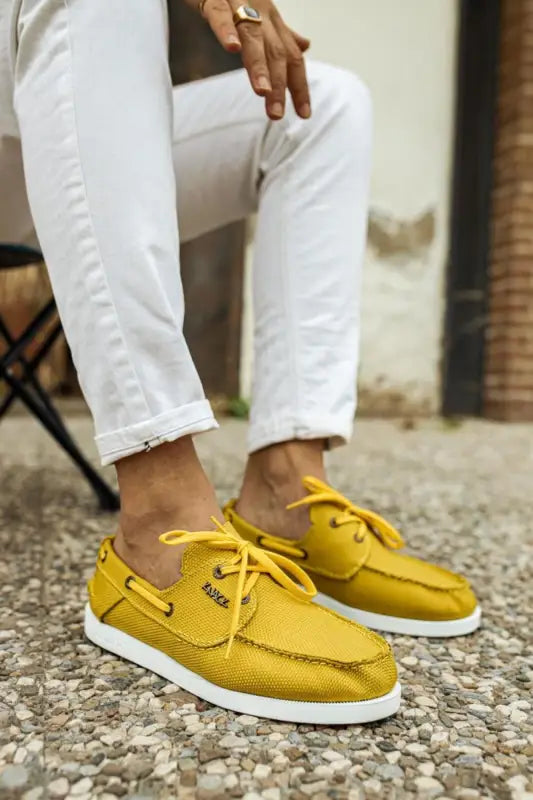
(238, 629)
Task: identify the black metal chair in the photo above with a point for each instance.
(23, 382)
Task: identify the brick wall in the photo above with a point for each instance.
(509, 353)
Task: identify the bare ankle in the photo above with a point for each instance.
(273, 479)
(164, 489)
(142, 551)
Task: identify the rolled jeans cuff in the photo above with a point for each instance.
(335, 431)
(187, 420)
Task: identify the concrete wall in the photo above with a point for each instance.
(405, 52)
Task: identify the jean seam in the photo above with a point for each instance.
(291, 312)
(161, 436)
(121, 431)
(299, 425)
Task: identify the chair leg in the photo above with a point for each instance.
(29, 373)
(108, 499)
(15, 354)
(27, 336)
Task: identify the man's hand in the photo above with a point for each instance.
(271, 52)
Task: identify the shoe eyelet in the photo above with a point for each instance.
(128, 580)
(103, 556)
(170, 610)
(333, 523)
(245, 600)
(357, 538)
(217, 573)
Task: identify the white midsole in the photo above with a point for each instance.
(126, 646)
(409, 627)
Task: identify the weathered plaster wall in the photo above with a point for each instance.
(405, 52)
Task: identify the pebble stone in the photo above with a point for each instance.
(13, 776)
(58, 788)
(86, 725)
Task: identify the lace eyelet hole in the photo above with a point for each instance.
(128, 580)
(170, 610)
(333, 523)
(217, 573)
(245, 600)
(358, 538)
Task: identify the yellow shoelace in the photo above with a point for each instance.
(249, 562)
(369, 521)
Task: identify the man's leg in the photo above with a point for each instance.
(312, 214)
(94, 105)
(309, 181)
(309, 247)
(308, 256)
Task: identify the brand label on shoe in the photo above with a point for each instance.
(217, 596)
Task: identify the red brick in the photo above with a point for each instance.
(509, 342)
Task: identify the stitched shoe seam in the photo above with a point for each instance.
(415, 581)
(111, 608)
(348, 623)
(347, 576)
(384, 655)
(341, 576)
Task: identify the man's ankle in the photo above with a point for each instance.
(142, 551)
(273, 479)
(164, 489)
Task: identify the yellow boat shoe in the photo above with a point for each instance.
(352, 555)
(238, 630)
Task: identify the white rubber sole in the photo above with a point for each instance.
(409, 627)
(128, 647)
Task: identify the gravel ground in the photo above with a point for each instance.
(75, 722)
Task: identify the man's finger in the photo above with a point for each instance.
(298, 87)
(219, 15)
(254, 57)
(296, 75)
(277, 64)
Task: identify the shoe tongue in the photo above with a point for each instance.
(335, 503)
(325, 512)
(198, 554)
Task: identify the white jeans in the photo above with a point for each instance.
(87, 106)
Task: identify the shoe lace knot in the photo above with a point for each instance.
(368, 522)
(248, 563)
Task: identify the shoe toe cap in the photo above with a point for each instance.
(458, 603)
(352, 682)
(438, 601)
(331, 659)
(370, 680)
(413, 589)
(440, 595)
